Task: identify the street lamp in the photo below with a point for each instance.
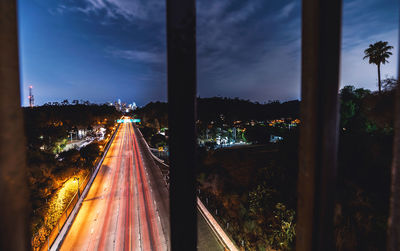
(77, 178)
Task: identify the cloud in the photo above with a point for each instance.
(245, 51)
(274, 75)
(248, 49)
(244, 13)
(59, 10)
(286, 11)
(129, 10)
(138, 56)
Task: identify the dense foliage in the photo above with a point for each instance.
(45, 125)
(154, 115)
(251, 190)
(257, 194)
(365, 154)
(210, 109)
(236, 109)
(50, 166)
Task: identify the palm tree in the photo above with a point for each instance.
(377, 54)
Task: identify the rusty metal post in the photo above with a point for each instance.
(393, 242)
(181, 51)
(321, 37)
(13, 184)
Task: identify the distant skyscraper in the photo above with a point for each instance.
(119, 101)
(31, 98)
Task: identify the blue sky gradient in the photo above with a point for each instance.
(102, 50)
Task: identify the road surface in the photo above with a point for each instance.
(125, 208)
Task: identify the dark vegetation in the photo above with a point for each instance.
(236, 109)
(254, 188)
(252, 191)
(365, 154)
(153, 138)
(155, 115)
(44, 125)
(47, 129)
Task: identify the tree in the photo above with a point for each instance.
(71, 158)
(257, 134)
(90, 153)
(158, 140)
(390, 84)
(378, 54)
(351, 101)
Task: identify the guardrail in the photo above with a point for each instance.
(215, 227)
(211, 221)
(161, 155)
(71, 207)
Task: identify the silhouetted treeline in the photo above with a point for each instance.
(154, 115)
(70, 115)
(46, 124)
(210, 109)
(238, 109)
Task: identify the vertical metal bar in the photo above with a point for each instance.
(321, 37)
(393, 242)
(181, 50)
(13, 187)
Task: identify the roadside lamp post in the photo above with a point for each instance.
(77, 178)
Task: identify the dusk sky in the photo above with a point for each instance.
(102, 50)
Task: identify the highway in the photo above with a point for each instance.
(126, 207)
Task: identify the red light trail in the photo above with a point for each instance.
(119, 212)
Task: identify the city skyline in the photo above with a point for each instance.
(108, 49)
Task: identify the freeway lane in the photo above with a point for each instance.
(127, 206)
(117, 213)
